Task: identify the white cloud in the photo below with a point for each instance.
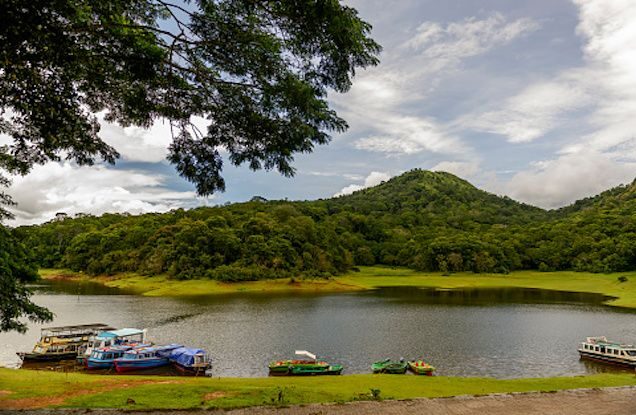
(558, 182)
(373, 179)
(409, 135)
(467, 38)
(376, 105)
(142, 144)
(459, 168)
(57, 187)
(532, 113)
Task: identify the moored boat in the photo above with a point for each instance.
(145, 358)
(104, 357)
(61, 343)
(420, 367)
(190, 361)
(603, 350)
(389, 366)
(111, 338)
(300, 367)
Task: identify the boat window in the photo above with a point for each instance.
(585, 346)
(631, 352)
(109, 355)
(596, 348)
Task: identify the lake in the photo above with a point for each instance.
(503, 333)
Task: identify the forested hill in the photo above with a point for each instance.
(424, 220)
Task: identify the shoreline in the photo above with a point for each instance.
(623, 294)
(28, 389)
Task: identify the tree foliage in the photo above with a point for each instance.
(16, 268)
(258, 71)
(423, 220)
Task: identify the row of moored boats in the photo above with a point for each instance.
(99, 346)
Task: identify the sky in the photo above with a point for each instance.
(533, 99)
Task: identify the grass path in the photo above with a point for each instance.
(26, 389)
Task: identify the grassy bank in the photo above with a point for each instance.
(373, 277)
(38, 389)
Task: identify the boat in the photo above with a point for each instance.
(300, 367)
(190, 361)
(104, 357)
(420, 367)
(145, 358)
(389, 366)
(606, 351)
(61, 343)
(111, 338)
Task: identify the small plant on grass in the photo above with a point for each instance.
(375, 394)
(623, 278)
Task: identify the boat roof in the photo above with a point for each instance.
(602, 341)
(127, 332)
(94, 326)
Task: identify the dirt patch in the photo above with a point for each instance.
(47, 401)
(5, 393)
(218, 395)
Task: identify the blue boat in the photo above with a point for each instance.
(145, 358)
(104, 357)
(190, 361)
(108, 338)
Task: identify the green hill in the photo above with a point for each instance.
(423, 220)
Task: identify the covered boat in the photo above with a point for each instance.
(420, 367)
(389, 366)
(145, 358)
(300, 367)
(109, 338)
(62, 343)
(603, 350)
(190, 361)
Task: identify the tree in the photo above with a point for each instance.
(14, 296)
(258, 71)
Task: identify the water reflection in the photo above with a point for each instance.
(495, 332)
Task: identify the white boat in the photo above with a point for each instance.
(603, 350)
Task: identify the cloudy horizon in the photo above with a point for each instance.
(529, 99)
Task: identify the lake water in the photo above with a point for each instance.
(502, 333)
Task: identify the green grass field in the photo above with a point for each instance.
(39, 389)
(373, 277)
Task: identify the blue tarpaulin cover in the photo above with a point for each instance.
(185, 355)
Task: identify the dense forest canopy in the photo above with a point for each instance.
(423, 220)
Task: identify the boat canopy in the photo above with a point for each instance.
(306, 353)
(76, 329)
(185, 355)
(128, 332)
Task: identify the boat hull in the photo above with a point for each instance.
(421, 368)
(606, 359)
(47, 357)
(190, 370)
(389, 368)
(139, 364)
(92, 364)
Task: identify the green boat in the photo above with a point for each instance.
(388, 366)
(420, 367)
(303, 367)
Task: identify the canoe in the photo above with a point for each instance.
(388, 366)
(420, 367)
(300, 367)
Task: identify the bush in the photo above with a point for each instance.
(623, 278)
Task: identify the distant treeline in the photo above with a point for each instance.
(423, 220)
